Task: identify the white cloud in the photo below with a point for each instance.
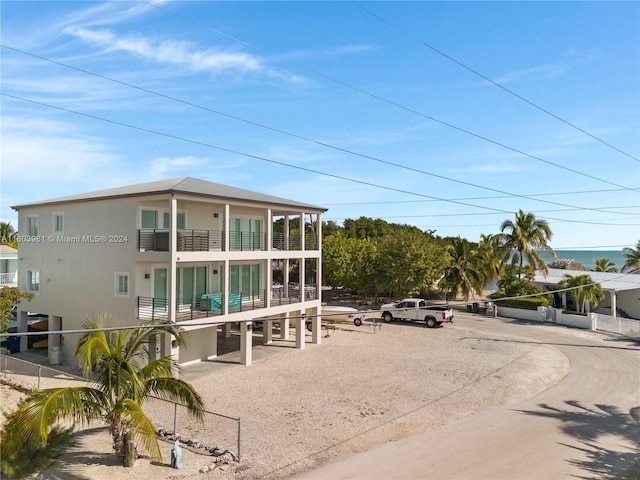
(165, 167)
(536, 73)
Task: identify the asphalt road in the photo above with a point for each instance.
(587, 426)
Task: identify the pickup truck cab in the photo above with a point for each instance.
(416, 309)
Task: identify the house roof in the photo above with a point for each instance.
(608, 281)
(185, 185)
(6, 250)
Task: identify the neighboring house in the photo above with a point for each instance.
(8, 266)
(184, 250)
(622, 290)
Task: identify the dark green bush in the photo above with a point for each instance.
(528, 303)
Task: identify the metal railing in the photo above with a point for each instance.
(247, 241)
(9, 278)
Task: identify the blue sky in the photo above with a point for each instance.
(375, 109)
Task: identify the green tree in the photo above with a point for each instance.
(632, 259)
(9, 297)
(8, 235)
(604, 265)
(123, 380)
(408, 261)
(524, 237)
(583, 290)
(464, 273)
(489, 257)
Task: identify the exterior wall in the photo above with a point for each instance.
(629, 301)
(100, 238)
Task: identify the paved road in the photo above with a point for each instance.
(587, 426)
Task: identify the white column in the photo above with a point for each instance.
(213, 349)
(300, 332)
(316, 327)
(171, 271)
(284, 327)
(267, 331)
(246, 338)
(226, 329)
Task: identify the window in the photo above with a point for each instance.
(58, 223)
(180, 220)
(33, 225)
(149, 219)
(33, 280)
(122, 284)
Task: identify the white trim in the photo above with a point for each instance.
(116, 286)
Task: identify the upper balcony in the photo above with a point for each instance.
(157, 240)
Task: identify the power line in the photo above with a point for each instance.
(387, 101)
(268, 160)
(475, 72)
(283, 132)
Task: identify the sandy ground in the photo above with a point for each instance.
(360, 388)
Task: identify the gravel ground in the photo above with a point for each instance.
(300, 409)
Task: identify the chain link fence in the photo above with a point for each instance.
(216, 431)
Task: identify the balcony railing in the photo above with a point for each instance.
(157, 240)
(9, 278)
(210, 304)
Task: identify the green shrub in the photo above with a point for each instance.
(527, 303)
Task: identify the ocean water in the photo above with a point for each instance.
(586, 257)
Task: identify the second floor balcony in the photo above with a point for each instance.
(157, 240)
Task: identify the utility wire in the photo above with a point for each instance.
(493, 82)
(299, 137)
(389, 102)
(275, 162)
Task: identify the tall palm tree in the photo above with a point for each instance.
(524, 237)
(583, 290)
(632, 256)
(604, 265)
(122, 382)
(490, 256)
(463, 275)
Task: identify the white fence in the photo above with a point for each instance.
(592, 321)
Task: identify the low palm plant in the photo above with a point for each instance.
(583, 290)
(124, 378)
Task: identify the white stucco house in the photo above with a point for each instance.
(185, 250)
(622, 290)
(8, 266)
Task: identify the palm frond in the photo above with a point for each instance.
(140, 428)
(177, 390)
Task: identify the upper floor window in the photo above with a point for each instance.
(58, 223)
(122, 284)
(152, 219)
(33, 280)
(33, 225)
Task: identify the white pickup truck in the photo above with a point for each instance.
(417, 309)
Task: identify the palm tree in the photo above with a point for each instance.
(490, 256)
(604, 265)
(583, 290)
(524, 237)
(632, 262)
(122, 382)
(463, 275)
(7, 234)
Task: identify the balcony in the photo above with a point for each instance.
(9, 279)
(210, 305)
(157, 240)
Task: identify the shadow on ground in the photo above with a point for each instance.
(607, 436)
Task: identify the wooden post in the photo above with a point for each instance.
(130, 453)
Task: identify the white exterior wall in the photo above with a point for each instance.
(78, 267)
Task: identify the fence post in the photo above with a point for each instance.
(39, 375)
(239, 456)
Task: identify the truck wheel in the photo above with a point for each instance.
(310, 326)
(387, 317)
(431, 322)
(358, 321)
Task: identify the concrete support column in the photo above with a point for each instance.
(23, 326)
(226, 329)
(246, 342)
(300, 332)
(316, 327)
(267, 331)
(213, 344)
(284, 327)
